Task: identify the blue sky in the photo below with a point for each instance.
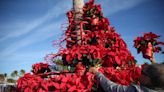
(28, 27)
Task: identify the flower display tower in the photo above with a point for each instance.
(90, 41)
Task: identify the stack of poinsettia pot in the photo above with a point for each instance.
(100, 45)
(42, 80)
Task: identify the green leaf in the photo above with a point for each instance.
(84, 27)
(107, 45)
(159, 48)
(69, 68)
(100, 17)
(84, 55)
(114, 40)
(143, 42)
(96, 62)
(72, 69)
(154, 43)
(90, 60)
(74, 62)
(135, 61)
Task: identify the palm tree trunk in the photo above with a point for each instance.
(78, 10)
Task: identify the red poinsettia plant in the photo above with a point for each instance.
(80, 81)
(147, 44)
(99, 44)
(39, 68)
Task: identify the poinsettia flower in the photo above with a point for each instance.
(80, 69)
(45, 85)
(28, 90)
(69, 58)
(95, 21)
(72, 89)
(41, 90)
(40, 68)
(117, 59)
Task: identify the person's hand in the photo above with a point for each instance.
(150, 53)
(94, 69)
(152, 60)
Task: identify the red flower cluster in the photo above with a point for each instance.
(122, 75)
(79, 53)
(39, 68)
(80, 81)
(100, 44)
(99, 40)
(147, 44)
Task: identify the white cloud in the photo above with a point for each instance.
(42, 29)
(60, 8)
(114, 6)
(41, 34)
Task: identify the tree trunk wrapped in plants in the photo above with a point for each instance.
(90, 41)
